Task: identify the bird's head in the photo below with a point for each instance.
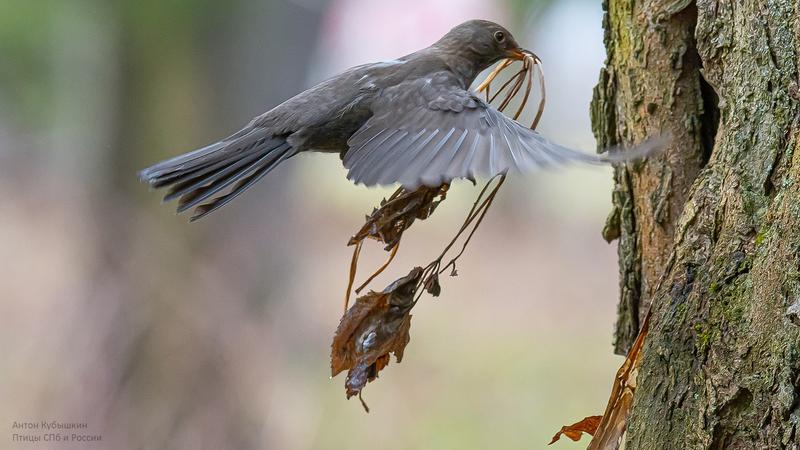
(481, 42)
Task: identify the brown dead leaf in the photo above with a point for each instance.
(588, 425)
(432, 284)
(395, 215)
(615, 418)
(375, 326)
(387, 224)
(607, 430)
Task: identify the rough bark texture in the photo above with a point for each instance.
(709, 233)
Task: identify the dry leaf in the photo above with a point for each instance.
(575, 431)
(387, 223)
(615, 418)
(607, 430)
(432, 284)
(375, 326)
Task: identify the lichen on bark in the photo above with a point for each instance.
(651, 85)
(715, 221)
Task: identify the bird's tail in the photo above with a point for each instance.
(197, 178)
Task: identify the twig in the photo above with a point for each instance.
(543, 96)
(380, 269)
(489, 202)
(478, 210)
(352, 278)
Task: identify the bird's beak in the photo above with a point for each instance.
(518, 54)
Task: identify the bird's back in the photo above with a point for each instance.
(324, 117)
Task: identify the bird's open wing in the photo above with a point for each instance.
(430, 132)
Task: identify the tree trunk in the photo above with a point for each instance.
(709, 232)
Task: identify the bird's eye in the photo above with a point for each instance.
(499, 36)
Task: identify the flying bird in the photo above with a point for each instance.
(411, 121)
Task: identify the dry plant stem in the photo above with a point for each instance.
(504, 86)
(478, 210)
(543, 96)
(515, 83)
(485, 208)
(396, 193)
(473, 212)
(485, 84)
(615, 417)
(363, 403)
(352, 279)
(380, 269)
(394, 197)
(519, 80)
(512, 79)
(527, 94)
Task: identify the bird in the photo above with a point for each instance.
(412, 121)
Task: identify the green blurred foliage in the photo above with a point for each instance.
(149, 31)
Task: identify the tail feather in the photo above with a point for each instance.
(189, 164)
(211, 174)
(197, 176)
(195, 197)
(166, 170)
(240, 187)
(182, 175)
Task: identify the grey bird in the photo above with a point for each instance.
(412, 121)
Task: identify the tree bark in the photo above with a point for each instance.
(709, 232)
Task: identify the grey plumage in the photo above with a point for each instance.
(411, 121)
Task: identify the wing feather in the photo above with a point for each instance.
(413, 140)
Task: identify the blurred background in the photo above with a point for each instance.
(159, 334)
